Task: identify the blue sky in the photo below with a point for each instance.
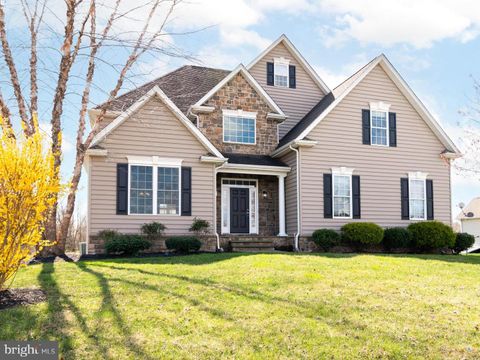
(434, 44)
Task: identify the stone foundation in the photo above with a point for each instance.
(96, 245)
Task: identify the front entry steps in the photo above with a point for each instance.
(250, 243)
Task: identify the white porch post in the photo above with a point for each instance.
(281, 205)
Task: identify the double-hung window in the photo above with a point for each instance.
(379, 123)
(154, 186)
(342, 193)
(239, 127)
(417, 196)
(281, 72)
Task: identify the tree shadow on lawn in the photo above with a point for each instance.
(209, 258)
(306, 308)
(58, 302)
(187, 259)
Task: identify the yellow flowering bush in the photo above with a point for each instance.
(28, 188)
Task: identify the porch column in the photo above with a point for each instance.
(281, 205)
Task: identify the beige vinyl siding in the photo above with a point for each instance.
(153, 130)
(339, 138)
(291, 193)
(295, 103)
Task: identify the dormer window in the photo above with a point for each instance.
(281, 72)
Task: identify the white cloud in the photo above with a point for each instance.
(389, 22)
(67, 144)
(333, 78)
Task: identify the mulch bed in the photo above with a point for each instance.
(14, 297)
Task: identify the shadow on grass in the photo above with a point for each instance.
(187, 259)
(58, 302)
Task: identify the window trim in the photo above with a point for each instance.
(243, 114)
(342, 171)
(417, 176)
(155, 162)
(384, 108)
(283, 62)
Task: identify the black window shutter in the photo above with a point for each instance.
(327, 196)
(429, 184)
(392, 128)
(270, 74)
(122, 189)
(186, 191)
(405, 199)
(356, 197)
(292, 80)
(366, 127)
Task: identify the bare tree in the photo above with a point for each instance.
(469, 164)
(85, 35)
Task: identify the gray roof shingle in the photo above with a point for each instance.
(184, 86)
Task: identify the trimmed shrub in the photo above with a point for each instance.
(463, 241)
(326, 238)
(362, 233)
(428, 235)
(199, 226)
(153, 229)
(126, 244)
(397, 237)
(183, 244)
(108, 234)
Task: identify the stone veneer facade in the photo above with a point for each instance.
(267, 207)
(239, 94)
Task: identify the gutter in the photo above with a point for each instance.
(293, 144)
(297, 234)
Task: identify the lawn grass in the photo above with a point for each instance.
(265, 306)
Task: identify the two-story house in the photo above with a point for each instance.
(267, 151)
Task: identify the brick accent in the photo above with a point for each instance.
(239, 94)
(267, 208)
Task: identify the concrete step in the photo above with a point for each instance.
(253, 249)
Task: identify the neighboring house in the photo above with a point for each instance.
(268, 151)
(469, 219)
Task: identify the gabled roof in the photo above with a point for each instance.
(241, 69)
(306, 66)
(156, 91)
(184, 86)
(313, 118)
(473, 207)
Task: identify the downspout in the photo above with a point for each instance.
(215, 171)
(297, 234)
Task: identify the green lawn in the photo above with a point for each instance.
(265, 306)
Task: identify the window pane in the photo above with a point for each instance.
(281, 75)
(141, 192)
(417, 189)
(342, 186)
(168, 191)
(379, 128)
(341, 196)
(417, 209)
(341, 206)
(239, 129)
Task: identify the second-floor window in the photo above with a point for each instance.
(281, 72)
(379, 128)
(239, 127)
